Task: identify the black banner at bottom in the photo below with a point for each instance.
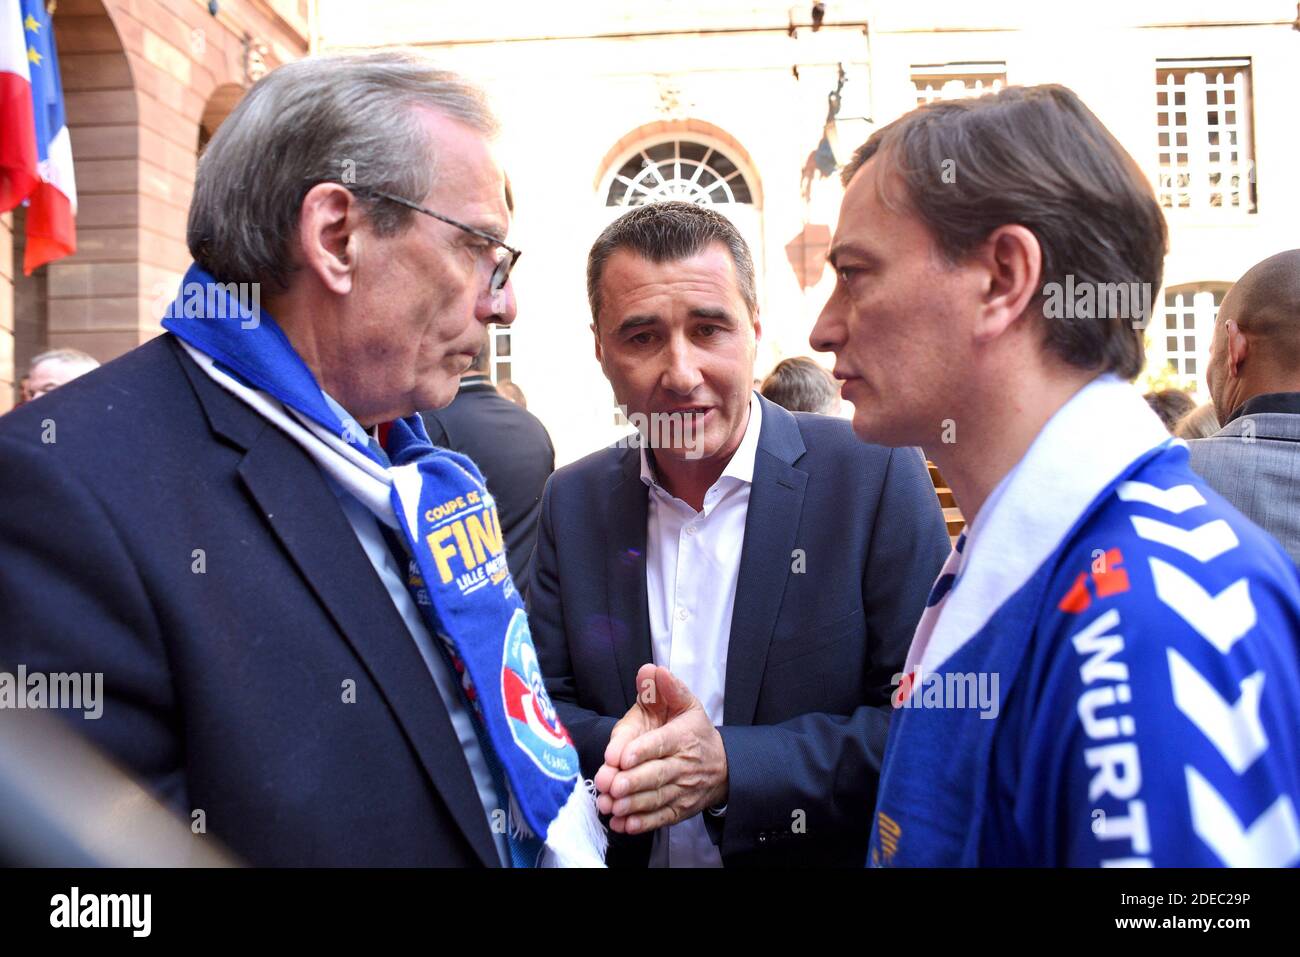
(333, 906)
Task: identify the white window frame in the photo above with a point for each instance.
(1186, 163)
(497, 359)
(713, 145)
(1187, 316)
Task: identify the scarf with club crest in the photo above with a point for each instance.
(439, 506)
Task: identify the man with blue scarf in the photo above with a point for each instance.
(310, 639)
(1107, 670)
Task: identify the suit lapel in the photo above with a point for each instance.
(771, 524)
(625, 555)
(306, 518)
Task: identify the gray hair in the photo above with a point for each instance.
(663, 232)
(70, 356)
(799, 384)
(348, 119)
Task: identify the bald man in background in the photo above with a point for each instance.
(1254, 379)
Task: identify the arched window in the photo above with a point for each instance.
(1189, 315)
(682, 169)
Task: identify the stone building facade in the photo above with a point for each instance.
(145, 81)
(747, 106)
(606, 104)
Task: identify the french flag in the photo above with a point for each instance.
(18, 175)
(35, 149)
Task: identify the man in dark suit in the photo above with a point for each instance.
(264, 669)
(511, 448)
(722, 606)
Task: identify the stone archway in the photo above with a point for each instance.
(719, 160)
(220, 103)
(141, 79)
(91, 299)
(689, 128)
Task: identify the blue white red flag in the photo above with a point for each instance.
(35, 130)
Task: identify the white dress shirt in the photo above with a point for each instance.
(692, 564)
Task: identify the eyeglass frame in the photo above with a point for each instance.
(500, 273)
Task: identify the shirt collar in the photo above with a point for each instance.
(352, 426)
(1287, 402)
(741, 465)
(1030, 514)
(345, 417)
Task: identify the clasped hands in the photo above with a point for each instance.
(665, 761)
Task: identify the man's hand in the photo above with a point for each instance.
(665, 761)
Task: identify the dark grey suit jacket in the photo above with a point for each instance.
(812, 649)
(1254, 462)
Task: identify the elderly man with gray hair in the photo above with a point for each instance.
(56, 367)
(309, 636)
(799, 384)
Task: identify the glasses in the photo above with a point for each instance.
(501, 274)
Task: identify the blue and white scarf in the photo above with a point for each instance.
(439, 503)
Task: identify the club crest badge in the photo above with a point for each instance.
(534, 724)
